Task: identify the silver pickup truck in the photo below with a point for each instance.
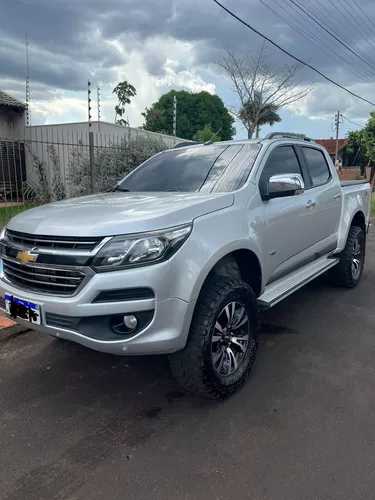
(184, 253)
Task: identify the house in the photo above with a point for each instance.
(12, 116)
(330, 145)
(12, 147)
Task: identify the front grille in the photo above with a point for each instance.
(43, 279)
(64, 242)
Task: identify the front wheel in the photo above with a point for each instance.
(223, 340)
(348, 271)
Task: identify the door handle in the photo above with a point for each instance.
(337, 196)
(310, 204)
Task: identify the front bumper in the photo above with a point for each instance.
(165, 333)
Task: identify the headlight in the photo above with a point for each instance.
(2, 234)
(140, 249)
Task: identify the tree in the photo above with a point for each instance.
(261, 86)
(194, 112)
(258, 112)
(368, 138)
(124, 92)
(206, 134)
(355, 150)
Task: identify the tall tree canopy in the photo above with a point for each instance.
(195, 111)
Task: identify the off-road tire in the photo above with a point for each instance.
(341, 274)
(193, 367)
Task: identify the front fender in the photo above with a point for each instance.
(213, 237)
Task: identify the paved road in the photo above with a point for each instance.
(80, 425)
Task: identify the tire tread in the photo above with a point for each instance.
(188, 365)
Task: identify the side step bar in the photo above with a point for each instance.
(280, 289)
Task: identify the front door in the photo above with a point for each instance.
(288, 236)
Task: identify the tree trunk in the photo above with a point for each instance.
(250, 132)
(258, 130)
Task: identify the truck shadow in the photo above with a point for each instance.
(86, 377)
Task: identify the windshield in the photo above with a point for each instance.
(215, 167)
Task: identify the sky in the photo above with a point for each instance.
(159, 45)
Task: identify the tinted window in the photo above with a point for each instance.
(207, 168)
(179, 169)
(317, 166)
(282, 160)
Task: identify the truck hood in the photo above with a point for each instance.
(110, 214)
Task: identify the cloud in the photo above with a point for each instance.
(157, 45)
(325, 100)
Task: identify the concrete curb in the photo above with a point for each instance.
(9, 331)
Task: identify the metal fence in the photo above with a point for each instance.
(50, 165)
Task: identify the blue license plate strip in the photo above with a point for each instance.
(23, 309)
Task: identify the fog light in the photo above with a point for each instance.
(130, 321)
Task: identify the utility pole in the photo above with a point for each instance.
(89, 103)
(98, 100)
(174, 115)
(337, 125)
(91, 139)
(28, 114)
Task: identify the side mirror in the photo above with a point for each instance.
(284, 185)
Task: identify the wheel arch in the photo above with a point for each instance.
(356, 219)
(359, 220)
(241, 263)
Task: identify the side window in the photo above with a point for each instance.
(283, 160)
(317, 165)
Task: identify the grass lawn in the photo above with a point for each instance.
(373, 205)
(6, 213)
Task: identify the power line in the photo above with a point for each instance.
(369, 41)
(364, 15)
(319, 16)
(291, 55)
(318, 42)
(356, 124)
(332, 35)
(360, 24)
(331, 16)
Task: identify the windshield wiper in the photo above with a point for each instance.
(173, 189)
(123, 190)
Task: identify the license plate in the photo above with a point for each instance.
(23, 309)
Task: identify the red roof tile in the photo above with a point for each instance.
(330, 144)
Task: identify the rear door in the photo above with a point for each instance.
(325, 196)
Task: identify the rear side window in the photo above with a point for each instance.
(317, 165)
(282, 160)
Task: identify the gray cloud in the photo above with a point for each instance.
(68, 37)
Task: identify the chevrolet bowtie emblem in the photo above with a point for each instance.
(26, 257)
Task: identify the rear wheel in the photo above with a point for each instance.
(348, 272)
(223, 340)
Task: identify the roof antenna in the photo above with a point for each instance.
(28, 114)
(212, 138)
